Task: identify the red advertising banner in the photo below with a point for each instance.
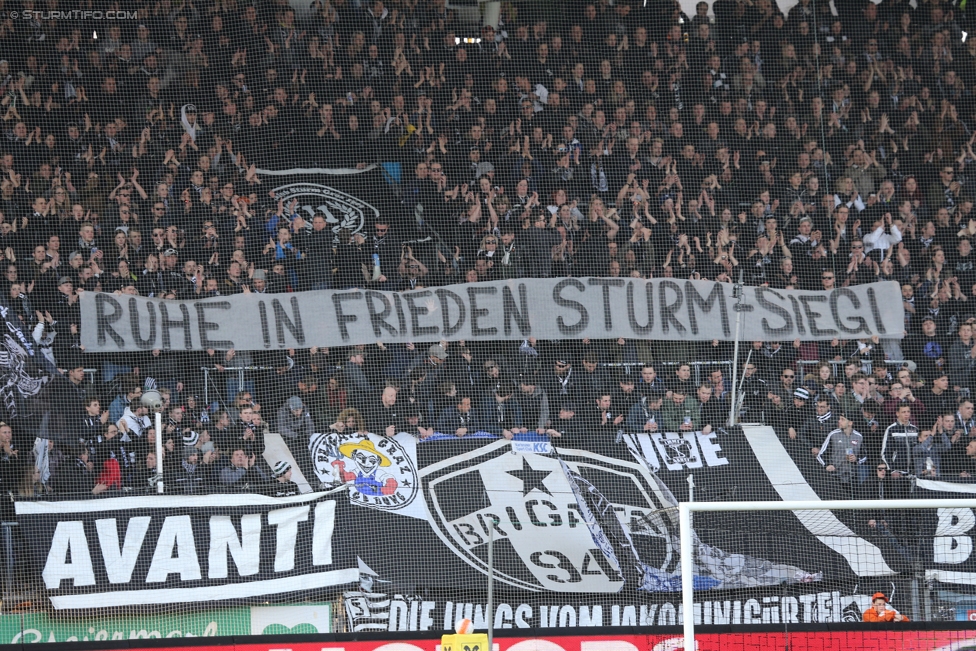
(867, 640)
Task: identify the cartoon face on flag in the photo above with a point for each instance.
(380, 469)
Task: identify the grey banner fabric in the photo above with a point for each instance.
(545, 308)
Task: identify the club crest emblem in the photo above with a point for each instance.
(382, 474)
(341, 210)
(553, 524)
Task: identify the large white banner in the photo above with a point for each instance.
(567, 308)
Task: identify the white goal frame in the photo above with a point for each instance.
(685, 510)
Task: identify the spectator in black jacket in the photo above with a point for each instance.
(711, 413)
(282, 485)
(78, 476)
(899, 443)
(191, 475)
(295, 426)
(887, 527)
(804, 443)
(938, 398)
(459, 419)
(240, 473)
(500, 413)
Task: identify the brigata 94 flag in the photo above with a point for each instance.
(545, 308)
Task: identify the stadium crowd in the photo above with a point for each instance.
(818, 148)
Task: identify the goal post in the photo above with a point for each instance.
(686, 532)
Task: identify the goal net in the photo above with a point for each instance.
(888, 557)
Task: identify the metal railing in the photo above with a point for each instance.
(837, 365)
(697, 368)
(630, 368)
(242, 379)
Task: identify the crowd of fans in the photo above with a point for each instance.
(824, 147)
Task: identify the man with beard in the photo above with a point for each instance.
(647, 414)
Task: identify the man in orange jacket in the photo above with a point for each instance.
(878, 612)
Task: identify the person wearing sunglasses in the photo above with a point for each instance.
(781, 391)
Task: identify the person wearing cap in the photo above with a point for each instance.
(281, 484)
(927, 348)
(434, 366)
(66, 309)
(803, 441)
(143, 45)
(190, 438)
(258, 283)
(561, 384)
(880, 612)
(170, 273)
(296, 428)
(798, 411)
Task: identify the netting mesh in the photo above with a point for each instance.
(271, 160)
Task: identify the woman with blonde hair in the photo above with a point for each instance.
(30, 482)
(351, 420)
(820, 380)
